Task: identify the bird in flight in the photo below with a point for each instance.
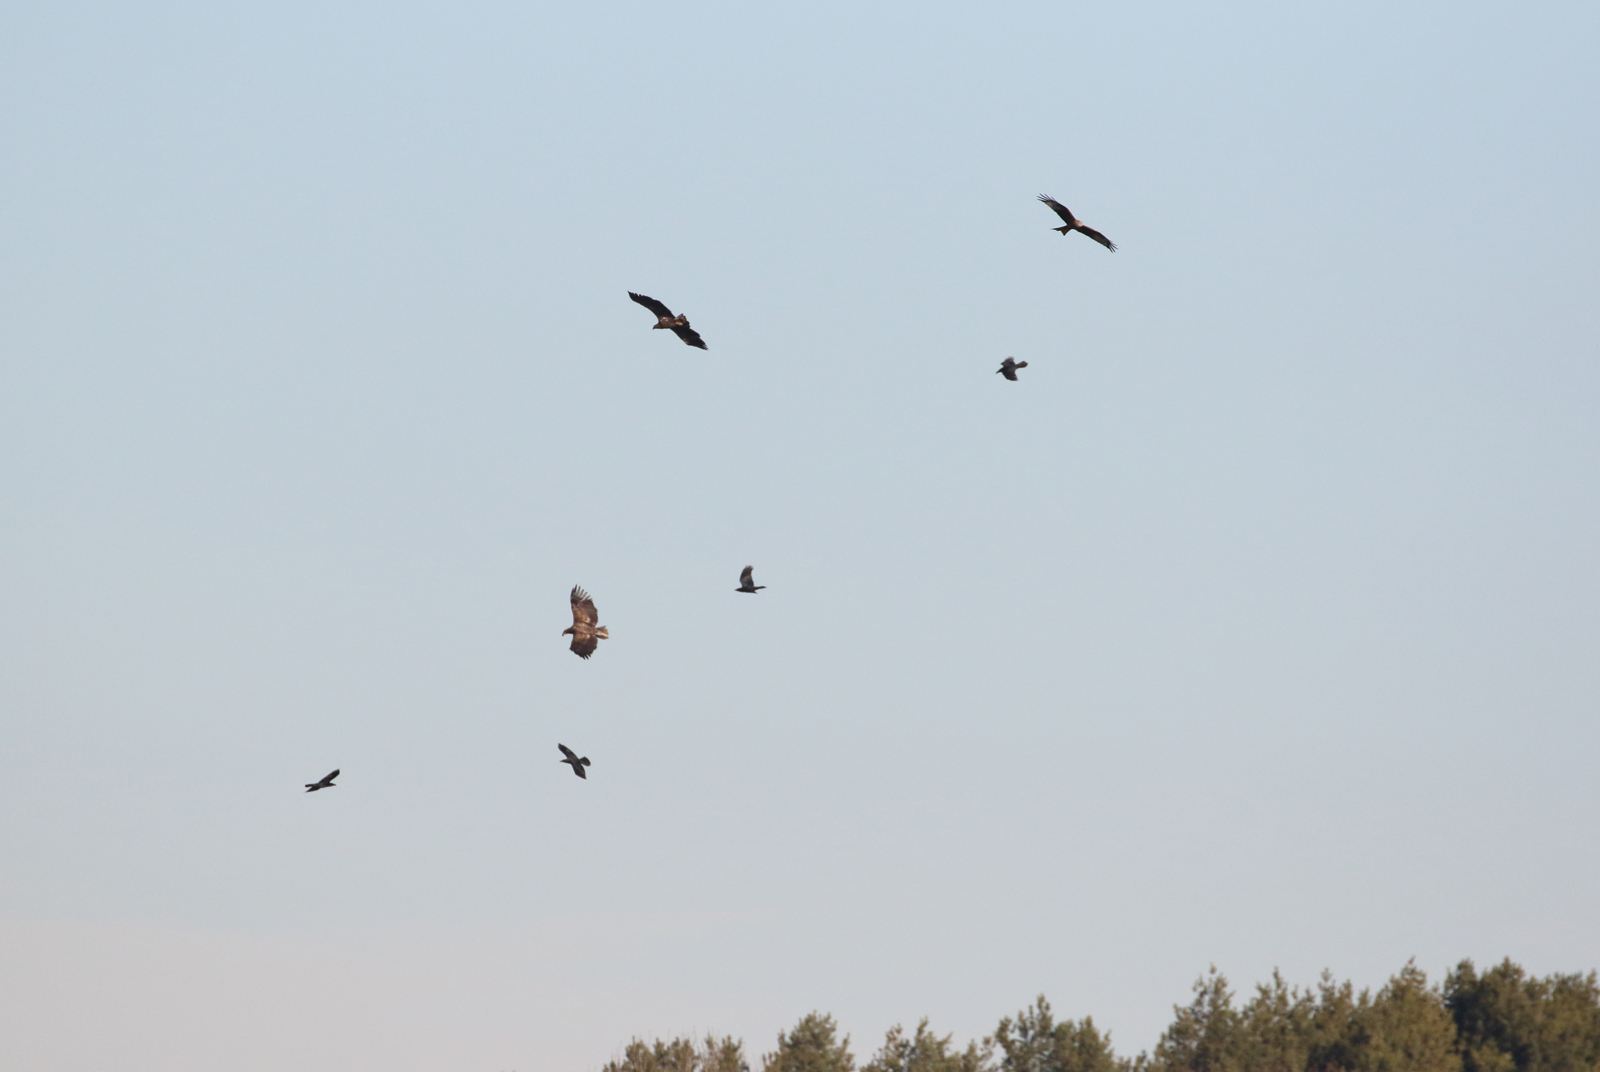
(1008, 368)
(678, 325)
(1074, 224)
(586, 635)
(575, 761)
(747, 581)
(326, 783)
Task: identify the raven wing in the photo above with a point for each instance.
(689, 335)
(651, 304)
(1061, 210)
(327, 780)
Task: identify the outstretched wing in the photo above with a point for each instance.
(1061, 210)
(1097, 236)
(747, 577)
(650, 304)
(1009, 372)
(569, 753)
(330, 778)
(583, 645)
(689, 335)
(577, 768)
(583, 612)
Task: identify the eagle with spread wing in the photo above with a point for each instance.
(586, 635)
(678, 325)
(1074, 224)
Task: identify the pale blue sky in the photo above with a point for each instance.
(1256, 625)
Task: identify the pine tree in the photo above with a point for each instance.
(810, 1046)
(681, 1055)
(925, 1052)
(1034, 1042)
(1506, 1021)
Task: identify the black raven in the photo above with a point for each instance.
(326, 783)
(1008, 368)
(576, 761)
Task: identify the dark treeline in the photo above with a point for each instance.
(1500, 1020)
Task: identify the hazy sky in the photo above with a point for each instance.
(1256, 625)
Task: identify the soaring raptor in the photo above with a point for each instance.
(586, 635)
(678, 325)
(1074, 224)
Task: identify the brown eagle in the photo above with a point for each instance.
(586, 635)
(1074, 224)
(678, 325)
(1008, 368)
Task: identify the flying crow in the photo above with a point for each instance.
(326, 783)
(575, 761)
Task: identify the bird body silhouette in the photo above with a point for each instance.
(586, 634)
(1074, 224)
(575, 761)
(325, 783)
(678, 325)
(747, 581)
(1008, 368)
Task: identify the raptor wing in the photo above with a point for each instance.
(583, 613)
(650, 304)
(1098, 237)
(1060, 210)
(689, 335)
